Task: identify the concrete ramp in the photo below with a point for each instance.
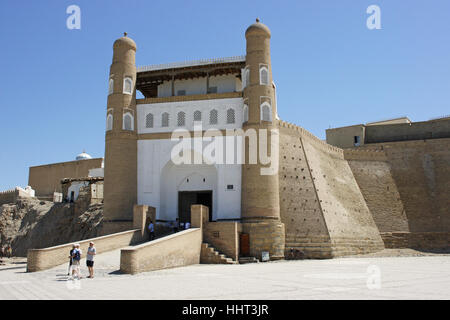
(46, 258)
(176, 250)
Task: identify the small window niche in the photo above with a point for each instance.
(127, 85)
(266, 112)
(245, 113)
(111, 86)
(109, 122)
(128, 121)
(263, 75)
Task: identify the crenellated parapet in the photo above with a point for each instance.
(365, 154)
(10, 196)
(303, 133)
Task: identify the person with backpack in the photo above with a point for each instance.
(151, 230)
(76, 257)
(70, 259)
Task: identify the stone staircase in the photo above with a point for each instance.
(210, 255)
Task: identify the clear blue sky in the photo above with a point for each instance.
(330, 69)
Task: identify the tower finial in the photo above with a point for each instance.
(125, 34)
(257, 19)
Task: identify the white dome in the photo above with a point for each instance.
(83, 156)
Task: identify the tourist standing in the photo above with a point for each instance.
(151, 230)
(187, 225)
(175, 226)
(70, 259)
(91, 252)
(9, 251)
(76, 257)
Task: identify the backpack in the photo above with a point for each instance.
(77, 255)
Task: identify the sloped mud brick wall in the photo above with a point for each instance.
(321, 205)
(421, 171)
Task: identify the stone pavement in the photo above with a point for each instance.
(413, 277)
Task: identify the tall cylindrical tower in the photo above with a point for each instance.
(260, 192)
(120, 184)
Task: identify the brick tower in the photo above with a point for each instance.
(120, 189)
(260, 192)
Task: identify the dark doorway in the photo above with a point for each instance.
(188, 198)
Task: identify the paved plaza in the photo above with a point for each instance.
(411, 277)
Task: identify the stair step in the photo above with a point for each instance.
(216, 255)
(243, 260)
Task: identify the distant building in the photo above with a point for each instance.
(46, 179)
(398, 129)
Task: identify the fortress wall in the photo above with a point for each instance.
(8, 196)
(421, 172)
(374, 178)
(350, 224)
(333, 216)
(300, 211)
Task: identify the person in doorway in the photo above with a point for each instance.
(91, 252)
(175, 226)
(151, 230)
(70, 259)
(76, 257)
(187, 225)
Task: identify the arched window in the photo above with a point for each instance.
(181, 118)
(246, 77)
(109, 122)
(263, 75)
(245, 113)
(213, 116)
(127, 85)
(128, 121)
(197, 116)
(266, 112)
(111, 86)
(231, 116)
(149, 120)
(165, 120)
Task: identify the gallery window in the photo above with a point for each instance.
(231, 116)
(149, 120)
(197, 116)
(181, 119)
(165, 120)
(213, 116)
